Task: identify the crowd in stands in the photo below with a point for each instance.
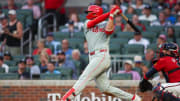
(66, 51)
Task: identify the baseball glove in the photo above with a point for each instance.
(145, 85)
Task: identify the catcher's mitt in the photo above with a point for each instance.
(145, 85)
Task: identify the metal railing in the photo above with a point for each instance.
(28, 41)
(118, 60)
(42, 25)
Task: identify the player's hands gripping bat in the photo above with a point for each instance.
(130, 23)
(115, 11)
(145, 85)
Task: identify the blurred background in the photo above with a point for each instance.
(44, 40)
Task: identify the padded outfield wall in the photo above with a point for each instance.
(52, 90)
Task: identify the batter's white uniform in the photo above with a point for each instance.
(98, 45)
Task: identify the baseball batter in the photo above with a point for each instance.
(97, 32)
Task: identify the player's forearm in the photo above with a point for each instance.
(150, 73)
(110, 26)
(97, 20)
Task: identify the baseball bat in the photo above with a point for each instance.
(130, 23)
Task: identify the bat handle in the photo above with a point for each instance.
(124, 17)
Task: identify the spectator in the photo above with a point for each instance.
(51, 68)
(160, 5)
(58, 8)
(13, 34)
(160, 78)
(76, 56)
(178, 21)
(2, 15)
(65, 48)
(138, 39)
(41, 48)
(74, 17)
(4, 66)
(34, 69)
(10, 5)
(65, 63)
(3, 25)
(119, 23)
(171, 34)
(22, 71)
(161, 21)
(85, 46)
(71, 29)
(128, 28)
(135, 21)
(149, 55)
(44, 59)
(51, 42)
(118, 2)
(147, 16)
(169, 16)
(100, 3)
(128, 66)
(161, 40)
(7, 56)
(176, 9)
(139, 66)
(171, 2)
(139, 4)
(36, 10)
(130, 10)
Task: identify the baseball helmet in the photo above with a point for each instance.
(172, 47)
(93, 11)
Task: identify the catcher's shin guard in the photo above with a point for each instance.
(68, 95)
(162, 95)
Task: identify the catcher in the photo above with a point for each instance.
(168, 63)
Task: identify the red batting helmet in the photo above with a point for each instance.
(93, 11)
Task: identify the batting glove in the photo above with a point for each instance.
(115, 11)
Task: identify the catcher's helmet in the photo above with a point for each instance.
(172, 47)
(93, 11)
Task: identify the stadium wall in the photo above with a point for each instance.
(52, 90)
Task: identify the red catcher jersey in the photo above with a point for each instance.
(167, 64)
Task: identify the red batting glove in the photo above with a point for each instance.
(115, 11)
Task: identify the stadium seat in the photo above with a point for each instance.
(44, 76)
(146, 23)
(138, 11)
(78, 67)
(133, 49)
(120, 41)
(10, 63)
(8, 76)
(156, 29)
(153, 47)
(149, 35)
(13, 69)
(121, 77)
(75, 42)
(125, 35)
(79, 35)
(18, 57)
(2, 70)
(66, 72)
(59, 36)
(115, 49)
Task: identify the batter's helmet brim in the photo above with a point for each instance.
(87, 11)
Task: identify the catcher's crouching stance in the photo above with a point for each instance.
(97, 32)
(168, 63)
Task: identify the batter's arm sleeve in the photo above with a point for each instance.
(97, 20)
